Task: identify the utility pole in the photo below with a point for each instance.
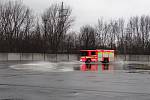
(62, 15)
(62, 18)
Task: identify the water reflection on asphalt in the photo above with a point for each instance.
(74, 81)
(95, 67)
(78, 66)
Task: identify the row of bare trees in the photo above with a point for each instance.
(130, 37)
(22, 31)
(16, 24)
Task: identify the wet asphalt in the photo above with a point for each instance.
(74, 81)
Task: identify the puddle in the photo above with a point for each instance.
(136, 67)
(42, 67)
(77, 66)
(12, 99)
(95, 67)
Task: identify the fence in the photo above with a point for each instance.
(62, 57)
(37, 57)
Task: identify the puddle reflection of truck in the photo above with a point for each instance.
(104, 56)
(96, 67)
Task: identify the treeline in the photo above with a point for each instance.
(22, 31)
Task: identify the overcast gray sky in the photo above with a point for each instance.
(88, 11)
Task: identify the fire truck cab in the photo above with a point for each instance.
(100, 55)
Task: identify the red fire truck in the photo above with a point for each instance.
(99, 55)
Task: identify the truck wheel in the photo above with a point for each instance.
(106, 60)
(88, 60)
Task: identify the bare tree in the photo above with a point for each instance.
(15, 19)
(137, 34)
(56, 22)
(87, 37)
(121, 45)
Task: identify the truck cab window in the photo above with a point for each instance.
(93, 53)
(84, 53)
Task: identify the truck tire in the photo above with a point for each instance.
(88, 60)
(106, 60)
